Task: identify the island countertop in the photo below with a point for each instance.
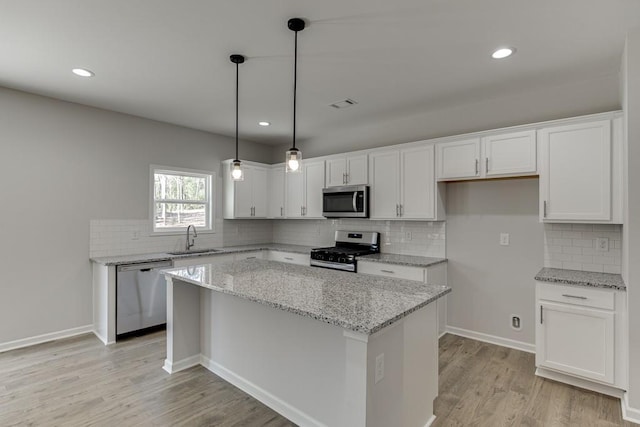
(364, 304)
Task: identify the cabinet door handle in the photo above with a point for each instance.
(281, 211)
(250, 257)
(288, 258)
(397, 210)
(401, 209)
(574, 296)
(541, 314)
(301, 211)
(346, 178)
(544, 209)
(388, 271)
(477, 163)
(486, 164)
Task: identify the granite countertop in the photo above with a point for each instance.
(581, 278)
(162, 256)
(364, 304)
(410, 260)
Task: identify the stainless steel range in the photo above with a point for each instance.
(349, 245)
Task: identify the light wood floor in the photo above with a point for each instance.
(80, 382)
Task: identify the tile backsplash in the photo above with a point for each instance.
(573, 247)
(127, 237)
(421, 238)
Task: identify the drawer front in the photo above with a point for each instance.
(587, 297)
(291, 258)
(249, 255)
(391, 270)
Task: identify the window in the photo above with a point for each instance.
(181, 197)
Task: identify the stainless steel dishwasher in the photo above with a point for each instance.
(141, 297)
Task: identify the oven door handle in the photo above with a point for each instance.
(355, 201)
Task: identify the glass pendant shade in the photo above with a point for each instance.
(293, 161)
(236, 171)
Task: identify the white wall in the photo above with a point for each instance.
(631, 229)
(62, 165)
(491, 282)
(548, 103)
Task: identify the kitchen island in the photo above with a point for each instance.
(321, 347)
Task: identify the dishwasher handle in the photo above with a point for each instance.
(145, 266)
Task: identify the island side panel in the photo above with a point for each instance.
(404, 396)
(294, 364)
(183, 325)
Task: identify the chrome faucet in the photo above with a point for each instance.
(191, 242)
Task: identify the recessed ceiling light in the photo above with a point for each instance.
(83, 72)
(264, 123)
(503, 53)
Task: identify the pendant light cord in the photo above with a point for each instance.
(237, 90)
(295, 85)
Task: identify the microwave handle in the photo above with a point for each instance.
(355, 201)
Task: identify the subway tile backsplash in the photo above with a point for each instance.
(127, 237)
(573, 247)
(422, 238)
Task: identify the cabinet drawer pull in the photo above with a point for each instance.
(288, 258)
(541, 315)
(388, 271)
(250, 257)
(574, 296)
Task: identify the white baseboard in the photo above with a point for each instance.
(273, 402)
(39, 339)
(431, 420)
(628, 413)
(181, 365)
(579, 382)
(492, 339)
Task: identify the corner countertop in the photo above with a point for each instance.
(364, 304)
(409, 260)
(581, 278)
(163, 256)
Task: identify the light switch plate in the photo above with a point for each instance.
(602, 244)
(504, 239)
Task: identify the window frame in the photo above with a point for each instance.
(209, 176)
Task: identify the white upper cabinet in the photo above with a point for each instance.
(347, 170)
(458, 159)
(247, 198)
(403, 184)
(501, 155)
(304, 191)
(576, 173)
(417, 183)
(384, 171)
(276, 192)
(510, 154)
(313, 185)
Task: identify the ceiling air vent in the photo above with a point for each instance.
(343, 104)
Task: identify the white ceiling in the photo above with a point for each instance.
(169, 60)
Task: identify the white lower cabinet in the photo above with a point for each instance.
(433, 275)
(579, 333)
(288, 257)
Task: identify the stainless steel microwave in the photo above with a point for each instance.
(346, 202)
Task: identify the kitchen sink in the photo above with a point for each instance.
(195, 252)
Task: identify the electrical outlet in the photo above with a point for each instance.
(504, 239)
(407, 235)
(379, 368)
(602, 244)
(515, 322)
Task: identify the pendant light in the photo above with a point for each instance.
(236, 168)
(293, 159)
